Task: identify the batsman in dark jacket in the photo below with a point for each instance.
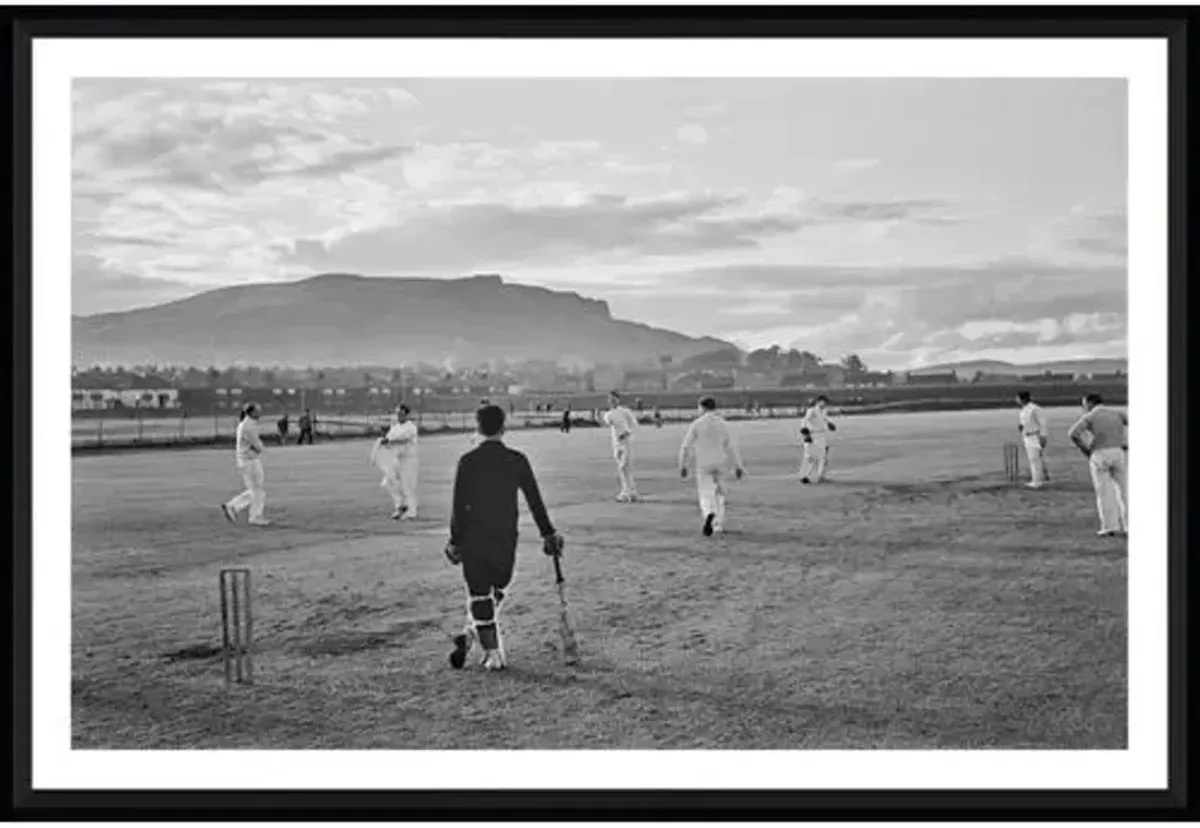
(483, 532)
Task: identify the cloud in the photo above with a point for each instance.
(467, 236)
(96, 288)
(852, 165)
(1084, 235)
(692, 134)
(898, 314)
(705, 111)
(930, 210)
(228, 135)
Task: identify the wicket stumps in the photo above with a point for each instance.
(237, 625)
(1012, 462)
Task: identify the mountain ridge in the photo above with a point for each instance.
(350, 319)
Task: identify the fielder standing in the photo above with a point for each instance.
(396, 456)
(1034, 433)
(1107, 454)
(483, 533)
(248, 452)
(710, 449)
(623, 423)
(814, 429)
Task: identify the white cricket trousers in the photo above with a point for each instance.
(624, 458)
(255, 496)
(1037, 462)
(710, 486)
(816, 454)
(400, 481)
(1110, 478)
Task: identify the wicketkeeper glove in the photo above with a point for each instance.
(453, 554)
(553, 545)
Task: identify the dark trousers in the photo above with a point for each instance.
(305, 433)
(487, 567)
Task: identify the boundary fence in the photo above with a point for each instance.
(146, 430)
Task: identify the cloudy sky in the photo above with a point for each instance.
(911, 221)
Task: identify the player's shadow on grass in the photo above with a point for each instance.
(349, 642)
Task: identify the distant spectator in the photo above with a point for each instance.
(283, 426)
(307, 424)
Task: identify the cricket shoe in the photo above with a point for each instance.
(398, 513)
(260, 522)
(708, 525)
(494, 660)
(228, 513)
(462, 646)
(409, 516)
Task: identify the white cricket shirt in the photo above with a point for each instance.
(249, 446)
(622, 422)
(402, 440)
(816, 420)
(1033, 422)
(709, 442)
(1108, 427)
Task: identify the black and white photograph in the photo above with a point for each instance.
(620, 413)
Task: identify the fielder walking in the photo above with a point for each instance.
(483, 533)
(396, 456)
(1107, 454)
(814, 428)
(622, 422)
(1034, 433)
(248, 452)
(710, 450)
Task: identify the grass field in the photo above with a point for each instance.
(915, 601)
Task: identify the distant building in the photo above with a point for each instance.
(932, 378)
(650, 380)
(1049, 376)
(102, 399)
(870, 379)
(687, 382)
(827, 376)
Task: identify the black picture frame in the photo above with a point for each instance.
(25, 25)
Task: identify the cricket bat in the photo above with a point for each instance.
(565, 630)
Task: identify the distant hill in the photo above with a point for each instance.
(966, 370)
(340, 319)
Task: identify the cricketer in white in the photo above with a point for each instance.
(248, 452)
(814, 428)
(710, 449)
(623, 423)
(1034, 432)
(396, 456)
(1107, 454)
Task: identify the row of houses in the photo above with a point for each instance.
(107, 399)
